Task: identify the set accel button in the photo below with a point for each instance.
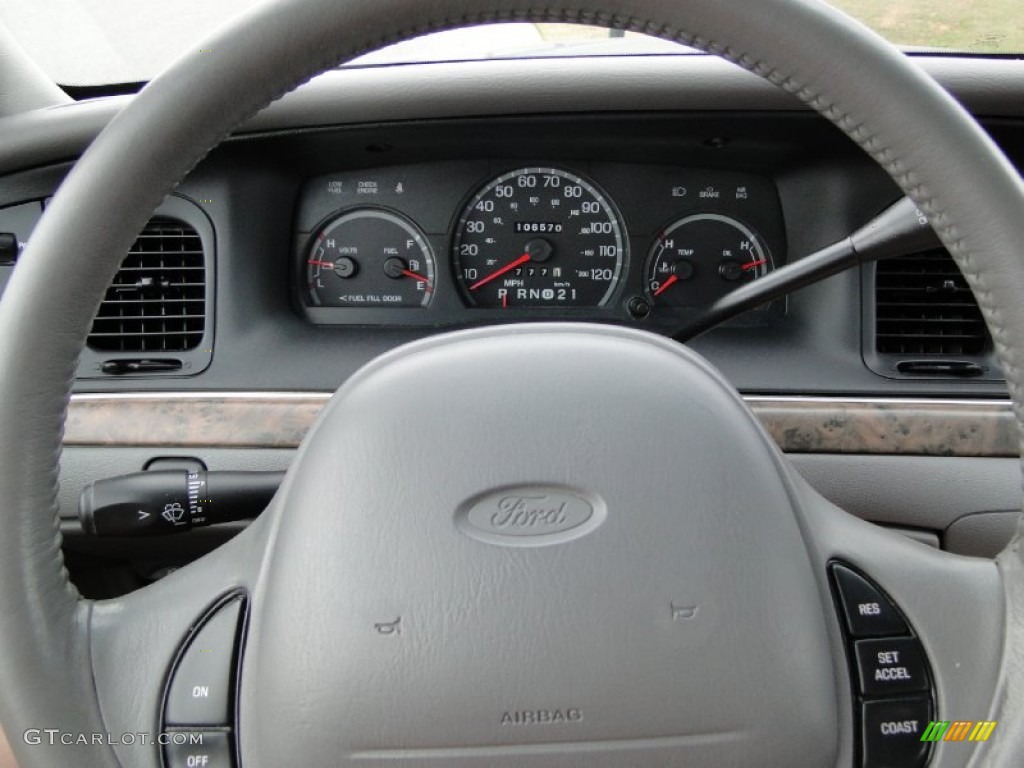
(891, 666)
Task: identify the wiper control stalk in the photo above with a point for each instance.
(173, 501)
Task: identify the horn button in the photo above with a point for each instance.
(522, 546)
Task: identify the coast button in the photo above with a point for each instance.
(892, 732)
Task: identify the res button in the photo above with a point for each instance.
(867, 611)
(201, 689)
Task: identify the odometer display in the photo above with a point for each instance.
(539, 237)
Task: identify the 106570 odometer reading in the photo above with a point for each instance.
(539, 237)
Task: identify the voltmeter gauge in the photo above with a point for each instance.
(369, 257)
(698, 259)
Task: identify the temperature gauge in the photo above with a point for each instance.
(700, 258)
(369, 257)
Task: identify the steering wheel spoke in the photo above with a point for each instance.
(922, 629)
(165, 659)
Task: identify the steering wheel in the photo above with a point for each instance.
(584, 585)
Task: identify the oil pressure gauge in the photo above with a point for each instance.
(369, 257)
(697, 259)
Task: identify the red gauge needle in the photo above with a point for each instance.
(495, 275)
(416, 277)
(328, 264)
(672, 280)
(752, 264)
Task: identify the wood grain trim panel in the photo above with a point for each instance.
(889, 427)
(188, 422)
(814, 425)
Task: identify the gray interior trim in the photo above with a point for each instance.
(23, 85)
(928, 538)
(917, 491)
(983, 534)
(54, 134)
(989, 87)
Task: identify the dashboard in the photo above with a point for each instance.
(787, 185)
(664, 148)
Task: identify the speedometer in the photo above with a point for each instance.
(539, 237)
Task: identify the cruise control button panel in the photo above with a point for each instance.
(894, 698)
(198, 715)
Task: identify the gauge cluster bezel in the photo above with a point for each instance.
(433, 196)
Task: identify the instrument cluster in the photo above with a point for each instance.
(457, 243)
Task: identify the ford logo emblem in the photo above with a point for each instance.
(530, 516)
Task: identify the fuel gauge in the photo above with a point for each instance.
(697, 259)
(369, 257)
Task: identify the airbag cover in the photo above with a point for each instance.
(666, 611)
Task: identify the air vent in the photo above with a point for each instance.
(157, 301)
(924, 307)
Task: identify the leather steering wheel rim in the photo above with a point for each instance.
(910, 126)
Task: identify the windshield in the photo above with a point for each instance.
(99, 42)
